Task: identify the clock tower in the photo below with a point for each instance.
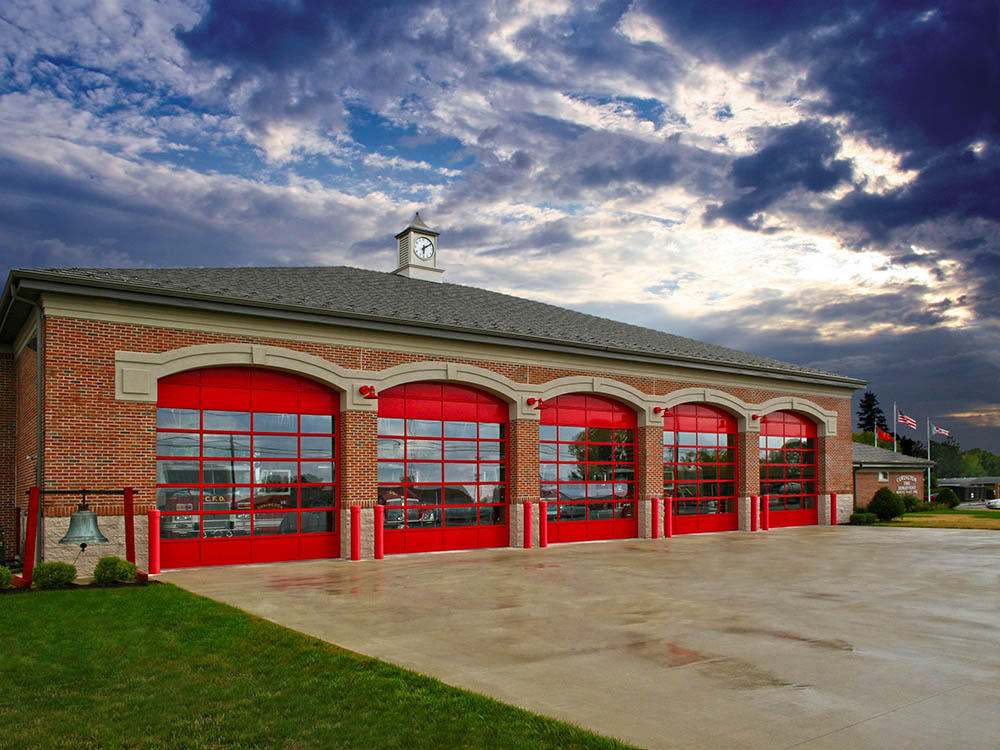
(418, 251)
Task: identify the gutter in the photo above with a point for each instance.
(201, 301)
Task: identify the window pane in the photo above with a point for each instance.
(177, 472)
(574, 512)
(465, 515)
(235, 421)
(573, 491)
(491, 431)
(624, 510)
(275, 446)
(602, 491)
(572, 472)
(600, 472)
(320, 497)
(177, 419)
(275, 498)
(460, 450)
(177, 499)
(266, 524)
(459, 472)
(317, 521)
(492, 515)
(390, 472)
(272, 422)
(547, 432)
(317, 423)
(423, 496)
(430, 472)
(625, 453)
(572, 451)
(600, 512)
(572, 434)
(686, 508)
(180, 527)
(668, 437)
(177, 443)
(491, 473)
(492, 493)
(624, 436)
(423, 519)
(460, 494)
(490, 451)
(687, 438)
(316, 472)
(385, 426)
(547, 451)
(424, 449)
(460, 429)
(708, 439)
(423, 428)
(231, 446)
(221, 525)
(275, 472)
(322, 447)
(599, 434)
(547, 472)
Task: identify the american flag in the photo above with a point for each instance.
(908, 421)
(941, 431)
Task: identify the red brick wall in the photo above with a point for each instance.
(93, 439)
(8, 413)
(522, 460)
(868, 484)
(649, 462)
(26, 426)
(748, 464)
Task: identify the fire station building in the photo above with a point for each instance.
(255, 406)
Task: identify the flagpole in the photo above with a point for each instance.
(895, 419)
(927, 497)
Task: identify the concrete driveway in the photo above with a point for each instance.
(815, 637)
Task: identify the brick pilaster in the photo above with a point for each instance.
(748, 475)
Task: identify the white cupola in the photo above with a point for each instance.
(418, 251)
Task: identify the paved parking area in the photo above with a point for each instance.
(815, 637)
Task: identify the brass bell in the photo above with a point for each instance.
(83, 529)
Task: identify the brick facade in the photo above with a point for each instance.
(93, 439)
(900, 481)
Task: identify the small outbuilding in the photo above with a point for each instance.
(875, 468)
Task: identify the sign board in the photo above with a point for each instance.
(907, 484)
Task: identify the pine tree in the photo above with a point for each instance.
(870, 414)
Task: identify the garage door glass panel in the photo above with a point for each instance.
(699, 449)
(442, 467)
(250, 479)
(787, 446)
(587, 467)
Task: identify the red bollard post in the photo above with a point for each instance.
(154, 541)
(527, 524)
(379, 532)
(654, 509)
(543, 523)
(668, 517)
(754, 512)
(129, 502)
(355, 532)
(30, 539)
(765, 523)
(833, 508)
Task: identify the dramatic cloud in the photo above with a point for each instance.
(819, 183)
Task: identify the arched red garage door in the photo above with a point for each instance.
(788, 468)
(586, 456)
(245, 467)
(699, 468)
(442, 468)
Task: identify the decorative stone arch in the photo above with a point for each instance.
(726, 401)
(138, 373)
(825, 419)
(465, 374)
(641, 402)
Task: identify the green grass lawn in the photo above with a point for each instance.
(949, 519)
(155, 666)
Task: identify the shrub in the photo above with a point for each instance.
(863, 518)
(53, 575)
(6, 577)
(947, 496)
(911, 503)
(113, 570)
(886, 504)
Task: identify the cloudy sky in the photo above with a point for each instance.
(817, 182)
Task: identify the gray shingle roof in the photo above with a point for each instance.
(360, 293)
(874, 456)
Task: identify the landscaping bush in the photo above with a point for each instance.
(113, 570)
(911, 503)
(6, 577)
(947, 496)
(887, 505)
(53, 575)
(863, 518)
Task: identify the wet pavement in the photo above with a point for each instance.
(815, 637)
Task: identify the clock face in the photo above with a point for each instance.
(423, 248)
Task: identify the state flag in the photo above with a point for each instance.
(908, 421)
(941, 431)
(882, 434)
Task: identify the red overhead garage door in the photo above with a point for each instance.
(587, 468)
(245, 467)
(788, 468)
(442, 468)
(699, 468)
